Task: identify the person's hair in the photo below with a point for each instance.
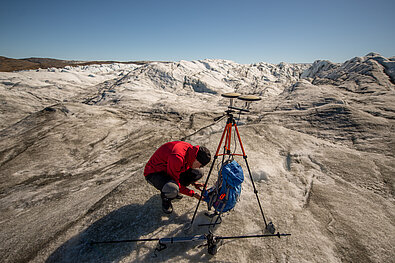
(203, 155)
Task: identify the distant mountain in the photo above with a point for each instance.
(12, 64)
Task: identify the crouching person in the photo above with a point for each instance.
(173, 167)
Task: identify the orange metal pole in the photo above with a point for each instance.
(222, 138)
(226, 138)
(229, 137)
(238, 136)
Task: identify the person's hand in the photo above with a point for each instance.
(196, 195)
(198, 186)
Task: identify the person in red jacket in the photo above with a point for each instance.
(173, 167)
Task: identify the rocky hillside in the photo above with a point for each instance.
(12, 64)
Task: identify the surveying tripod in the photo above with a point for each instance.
(213, 242)
(227, 135)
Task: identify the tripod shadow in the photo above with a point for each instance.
(186, 251)
(128, 222)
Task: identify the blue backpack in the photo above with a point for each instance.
(227, 190)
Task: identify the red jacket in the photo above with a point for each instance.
(173, 158)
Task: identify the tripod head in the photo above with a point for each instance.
(248, 99)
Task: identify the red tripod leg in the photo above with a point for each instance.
(222, 138)
(238, 136)
(226, 131)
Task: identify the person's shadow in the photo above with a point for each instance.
(129, 222)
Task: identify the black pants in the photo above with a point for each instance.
(168, 187)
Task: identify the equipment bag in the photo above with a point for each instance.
(226, 192)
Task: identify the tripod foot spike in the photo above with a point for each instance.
(270, 228)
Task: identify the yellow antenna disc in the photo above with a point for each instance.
(231, 95)
(249, 98)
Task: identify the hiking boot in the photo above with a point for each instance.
(167, 207)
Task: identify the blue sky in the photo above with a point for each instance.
(243, 31)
